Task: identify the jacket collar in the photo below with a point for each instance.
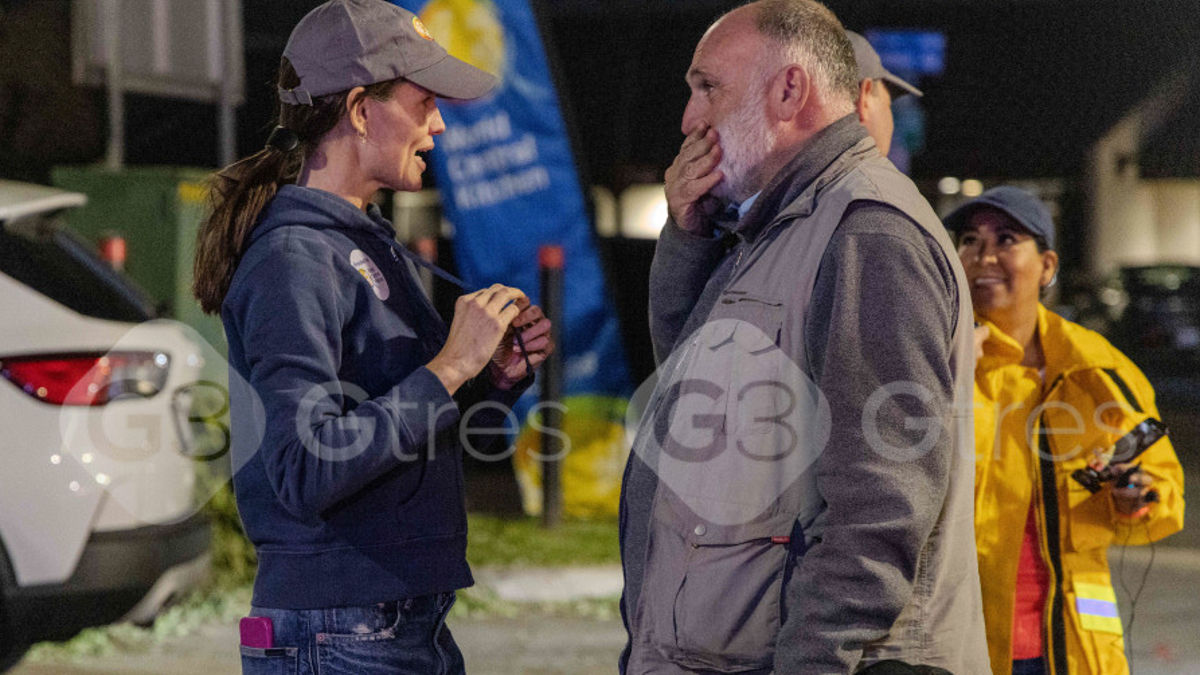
(1067, 346)
(800, 173)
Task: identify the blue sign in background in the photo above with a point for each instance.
(909, 53)
(509, 184)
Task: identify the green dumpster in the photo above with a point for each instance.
(157, 210)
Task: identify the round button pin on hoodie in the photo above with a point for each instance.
(370, 271)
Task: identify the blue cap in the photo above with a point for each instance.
(1027, 210)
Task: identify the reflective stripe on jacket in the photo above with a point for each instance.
(1031, 433)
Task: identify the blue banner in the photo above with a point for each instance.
(509, 185)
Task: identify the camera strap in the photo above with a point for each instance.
(462, 285)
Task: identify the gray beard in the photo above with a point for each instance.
(746, 139)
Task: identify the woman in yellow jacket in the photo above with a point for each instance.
(1053, 398)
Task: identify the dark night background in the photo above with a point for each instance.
(1028, 87)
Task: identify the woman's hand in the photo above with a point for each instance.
(1130, 496)
(981, 336)
(508, 365)
(481, 320)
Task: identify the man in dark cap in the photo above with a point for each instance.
(877, 88)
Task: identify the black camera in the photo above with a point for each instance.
(1126, 449)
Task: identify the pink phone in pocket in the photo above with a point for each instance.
(257, 632)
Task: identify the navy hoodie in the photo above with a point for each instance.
(346, 450)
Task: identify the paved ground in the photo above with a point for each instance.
(1164, 635)
(1166, 622)
(518, 646)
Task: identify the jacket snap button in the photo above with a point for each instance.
(700, 530)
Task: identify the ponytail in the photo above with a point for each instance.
(238, 193)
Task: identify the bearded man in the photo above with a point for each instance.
(799, 498)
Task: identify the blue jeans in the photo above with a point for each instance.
(1029, 667)
(401, 637)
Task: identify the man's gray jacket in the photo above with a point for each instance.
(799, 498)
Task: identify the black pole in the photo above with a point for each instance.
(550, 261)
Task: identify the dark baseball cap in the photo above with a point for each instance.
(344, 44)
(1027, 210)
(871, 68)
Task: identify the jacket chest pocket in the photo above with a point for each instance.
(761, 312)
(740, 349)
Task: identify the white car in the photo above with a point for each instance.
(99, 501)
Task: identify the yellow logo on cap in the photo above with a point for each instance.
(470, 30)
(421, 29)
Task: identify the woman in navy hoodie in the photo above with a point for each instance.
(347, 389)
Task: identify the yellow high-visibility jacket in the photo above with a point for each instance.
(1030, 435)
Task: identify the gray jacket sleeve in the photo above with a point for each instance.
(882, 313)
(682, 264)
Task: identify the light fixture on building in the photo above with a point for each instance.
(643, 211)
(949, 185)
(972, 188)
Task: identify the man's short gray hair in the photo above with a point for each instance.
(812, 36)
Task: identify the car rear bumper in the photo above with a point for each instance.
(121, 574)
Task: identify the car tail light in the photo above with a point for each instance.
(90, 379)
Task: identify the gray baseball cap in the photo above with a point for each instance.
(344, 44)
(871, 68)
